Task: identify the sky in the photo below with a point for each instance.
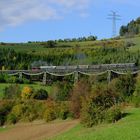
(42, 20)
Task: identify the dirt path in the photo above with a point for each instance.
(36, 131)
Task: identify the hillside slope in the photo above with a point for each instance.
(126, 129)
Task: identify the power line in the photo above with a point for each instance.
(114, 17)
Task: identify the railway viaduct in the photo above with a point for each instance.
(76, 70)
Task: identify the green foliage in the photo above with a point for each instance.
(113, 114)
(80, 90)
(51, 43)
(12, 92)
(27, 110)
(11, 79)
(98, 52)
(95, 105)
(61, 91)
(137, 87)
(2, 78)
(11, 119)
(63, 110)
(131, 28)
(50, 113)
(5, 108)
(129, 44)
(40, 94)
(135, 100)
(126, 85)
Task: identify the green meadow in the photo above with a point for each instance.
(128, 128)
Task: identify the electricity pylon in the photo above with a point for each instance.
(114, 17)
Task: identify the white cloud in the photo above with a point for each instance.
(15, 12)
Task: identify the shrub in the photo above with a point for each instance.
(95, 105)
(137, 86)
(54, 91)
(28, 110)
(126, 85)
(51, 111)
(113, 114)
(61, 91)
(65, 88)
(11, 79)
(2, 78)
(5, 108)
(26, 81)
(136, 101)
(63, 110)
(80, 90)
(17, 110)
(11, 118)
(26, 92)
(12, 92)
(40, 94)
(51, 44)
(23, 81)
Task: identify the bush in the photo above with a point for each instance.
(2, 78)
(26, 92)
(12, 92)
(5, 108)
(32, 110)
(95, 105)
(23, 81)
(17, 110)
(26, 81)
(40, 94)
(63, 110)
(50, 113)
(136, 101)
(113, 114)
(61, 91)
(51, 44)
(126, 85)
(11, 119)
(80, 90)
(65, 88)
(137, 86)
(28, 110)
(11, 79)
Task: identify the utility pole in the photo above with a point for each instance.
(114, 17)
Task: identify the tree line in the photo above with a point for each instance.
(132, 28)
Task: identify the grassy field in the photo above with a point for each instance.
(37, 48)
(136, 41)
(34, 86)
(126, 129)
(41, 48)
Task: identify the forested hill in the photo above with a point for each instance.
(132, 28)
(81, 51)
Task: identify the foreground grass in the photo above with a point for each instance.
(126, 129)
